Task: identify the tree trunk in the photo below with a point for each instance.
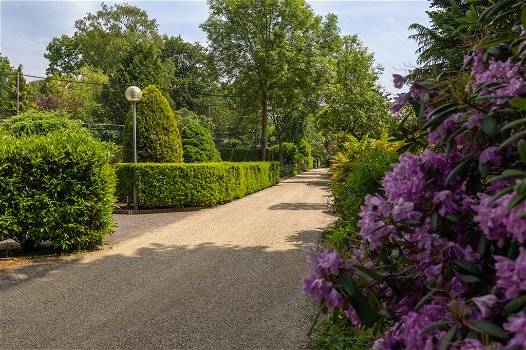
(264, 122)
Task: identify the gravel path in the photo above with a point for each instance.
(228, 277)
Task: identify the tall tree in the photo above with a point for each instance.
(17, 94)
(79, 95)
(444, 43)
(353, 100)
(141, 66)
(101, 39)
(257, 42)
(6, 73)
(195, 77)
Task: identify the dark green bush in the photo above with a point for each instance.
(158, 138)
(240, 154)
(200, 184)
(198, 146)
(38, 123)
(290, 153)
(58, 187)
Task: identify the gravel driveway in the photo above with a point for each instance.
(227, 277)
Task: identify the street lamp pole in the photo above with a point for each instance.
(133, 94)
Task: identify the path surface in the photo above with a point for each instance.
(228, 277)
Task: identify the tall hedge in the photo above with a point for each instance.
(240, 154)
(158, 138)
(57, 187)
(198, 145)
(200, 184)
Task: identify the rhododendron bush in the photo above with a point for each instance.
(442, 258)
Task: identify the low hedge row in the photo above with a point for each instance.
(189, 185)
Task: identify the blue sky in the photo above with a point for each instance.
(26, 27)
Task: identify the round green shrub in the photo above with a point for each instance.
(158, 139)
(35, 122)
(56, 187)
(198, 146)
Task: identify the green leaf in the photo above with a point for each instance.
(368, 273)
(484, 168)
(508, 174)
(523, 18)
(467, 266)
(500, 194)
(425, 299)
(519, 102)
(358, 300)
(434, 220)
(491, 97)
(440, 115)
(516, 200)
(489, 124)
(458, 169)
(522, 150)
(489, 328)
(448, 339)
(469, 279)
(513, 306)
(435, 325)
(514, 123)
(483, 245)
(453, 218)
(513, 138)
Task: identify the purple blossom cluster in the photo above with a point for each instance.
(498, 222)
(439, 248)
(320, 282)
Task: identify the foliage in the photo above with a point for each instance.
(202, 184)
(441, 44)
(239, 154)
(290, 153)
(198, 146)
(305, 153)
(195, 74)
(56, 187)
(354, 103)
(186, 117)
(262, 46)
(355, 172)
(335, 332)
(39, 123)
(158, 138)
(100, 39)
(443, 246)
(8, 90)
(78, 94)
(6, 72)
(140, 65)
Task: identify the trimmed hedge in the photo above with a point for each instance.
(239, 154)
(191, 185)
(57, 187)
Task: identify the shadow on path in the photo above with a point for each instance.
(206, 296)
(300, 206)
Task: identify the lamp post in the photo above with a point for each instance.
(272, 140)
(133, 94)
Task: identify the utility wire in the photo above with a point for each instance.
(115, 87)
